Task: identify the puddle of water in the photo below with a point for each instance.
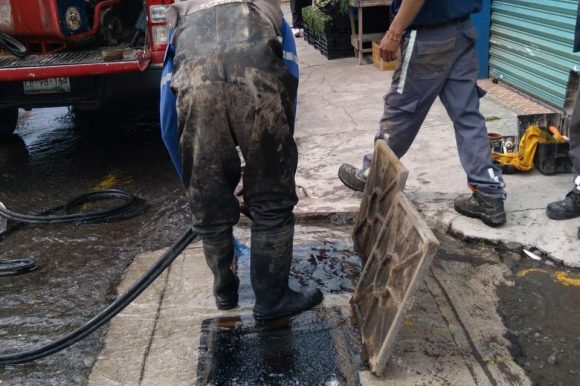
(52, 160)
(541, 313)
(314, 348)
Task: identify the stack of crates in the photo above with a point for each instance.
(333, 41)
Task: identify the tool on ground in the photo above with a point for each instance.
(524, 158)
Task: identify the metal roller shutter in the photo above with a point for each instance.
(531, 46)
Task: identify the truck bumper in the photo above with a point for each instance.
(87, 91)
(93, 81)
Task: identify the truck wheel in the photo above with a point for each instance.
(8, 121)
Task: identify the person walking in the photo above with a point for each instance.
(569, 207)
(436, 42)
(296, 7)
(230, 87)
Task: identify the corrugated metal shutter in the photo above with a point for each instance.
(531, 46)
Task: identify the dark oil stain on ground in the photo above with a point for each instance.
(333, 266)
(315, 348)
(55, 158)
(542, 316)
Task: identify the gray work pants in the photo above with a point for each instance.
(575, 139)
(441, 61)
(233, 89)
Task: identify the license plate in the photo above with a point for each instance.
(47, 86)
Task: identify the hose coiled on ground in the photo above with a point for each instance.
(130, 207)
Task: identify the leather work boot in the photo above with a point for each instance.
(270, 270)
(567, 208)
(352, 177)
(490, 210)
(219, 255)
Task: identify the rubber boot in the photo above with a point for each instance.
(219, 255)
(270, 270)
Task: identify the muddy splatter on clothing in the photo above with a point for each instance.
(233, 89)
(269, 8)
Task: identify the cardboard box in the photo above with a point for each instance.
(379, 62)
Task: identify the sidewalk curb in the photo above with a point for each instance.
(442, 227)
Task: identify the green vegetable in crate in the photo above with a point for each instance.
(315, 19)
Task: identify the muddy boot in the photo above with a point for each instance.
(352, 177)
(219, 255)
(271, 260)
(490, 210)
(567, 208)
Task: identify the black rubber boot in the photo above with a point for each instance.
(490, 210)
(270, 266)
(219, 255)
(567, 208)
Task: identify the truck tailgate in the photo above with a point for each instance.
(71, 64)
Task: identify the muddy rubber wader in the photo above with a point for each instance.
(219, 255)
(234, 89)
(270, 270)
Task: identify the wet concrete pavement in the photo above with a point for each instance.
(481, 318)
(53, 159)
(454, 335)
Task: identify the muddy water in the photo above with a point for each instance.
(314, 348)
(542, 313)
(54, 158)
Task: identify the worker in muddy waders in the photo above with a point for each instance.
(231, 69)
(435, 41)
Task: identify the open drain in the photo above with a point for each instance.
(311, 349)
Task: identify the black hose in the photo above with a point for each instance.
(16, 267)
(130, 207)
(13, 46)
(109, 312)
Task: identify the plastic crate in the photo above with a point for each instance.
(338, 25)
(550, 158)
(333, 42)
(337, 54)
(306, 34)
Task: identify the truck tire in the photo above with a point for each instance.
(8, 121)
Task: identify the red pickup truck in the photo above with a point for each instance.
(79, 53)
